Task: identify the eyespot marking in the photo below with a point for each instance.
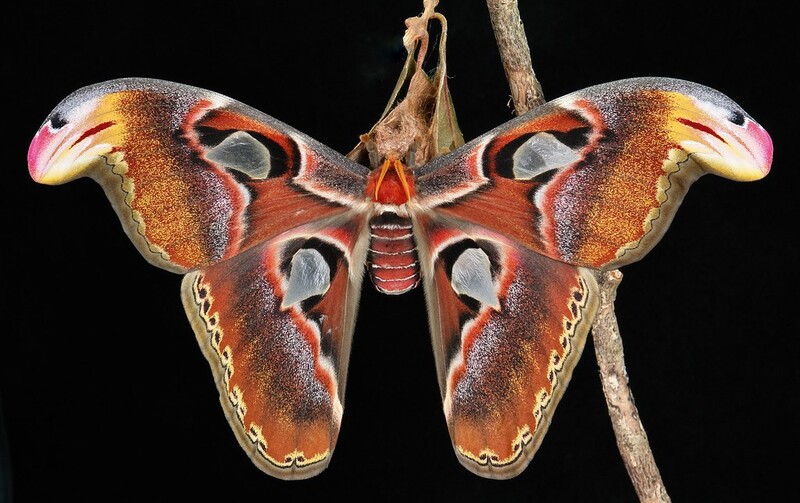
(472, 276)
(309, 275)
(242, 152)
(540, 153)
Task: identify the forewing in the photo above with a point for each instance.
(594, 178)
(194, 176)
(275, 323)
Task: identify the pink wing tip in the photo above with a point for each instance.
(36, 162)
(762, 146)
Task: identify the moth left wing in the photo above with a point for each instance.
(594, 178)
(267, 223)
(194, 176)
(275, 323)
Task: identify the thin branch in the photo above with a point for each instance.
(632, 441)
(526, 92)
(631, 437)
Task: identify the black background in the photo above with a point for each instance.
(104, 391)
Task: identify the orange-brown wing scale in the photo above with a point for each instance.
(275, 324)
(594, 178)
(185, 168)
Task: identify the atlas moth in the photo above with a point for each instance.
(274, 232)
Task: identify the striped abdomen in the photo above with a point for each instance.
(392, 258)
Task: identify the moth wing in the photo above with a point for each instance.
(262, 220)
(594, 178)
(275, 323)
(195, 177)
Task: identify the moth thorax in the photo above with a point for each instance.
(390, 183)
(392, 259)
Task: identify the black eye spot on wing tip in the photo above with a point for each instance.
(737, 117)
(57, 121)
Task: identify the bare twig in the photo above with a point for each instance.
(631, 437)
(526, 92)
